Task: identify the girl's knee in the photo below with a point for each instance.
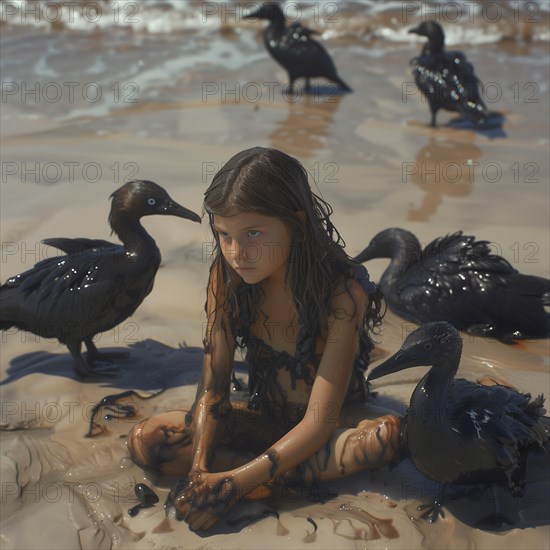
(390, 425)
(374, 443)
(161, 444)
(388, 430)
(138, 446)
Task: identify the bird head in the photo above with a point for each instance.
(389, 243)
(139, 198)
(270, 11)
(431, 30)
(431, 344)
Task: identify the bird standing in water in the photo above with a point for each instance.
(293, 48)
(461, 432)
(98, 284)
(457, 279)
(446, 78)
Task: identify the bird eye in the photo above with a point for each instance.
(427, 346)
(151, 201)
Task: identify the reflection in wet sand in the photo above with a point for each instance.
(307, 125)
(441, 168)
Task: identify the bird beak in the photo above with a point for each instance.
(397, 362)
(364, 256)
(172, 208)
(414, 30)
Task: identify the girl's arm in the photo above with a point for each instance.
(326, 398)
(212, 400)
(309, 435)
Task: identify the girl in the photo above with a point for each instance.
(282, 287)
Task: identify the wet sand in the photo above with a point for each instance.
(373, 157)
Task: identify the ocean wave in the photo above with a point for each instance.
(62, 61)
(472, 22)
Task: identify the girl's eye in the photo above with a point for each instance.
(223, 234)
(254, 233)
(151, 201)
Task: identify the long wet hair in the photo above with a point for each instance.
(269, 182)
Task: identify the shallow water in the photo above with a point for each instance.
(175, 97)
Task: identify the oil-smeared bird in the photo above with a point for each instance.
(294, 48)
(446, 78)
(97, 284)
(460, 432)
(457, 279)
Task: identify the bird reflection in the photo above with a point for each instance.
(307, 126)
(441, 168)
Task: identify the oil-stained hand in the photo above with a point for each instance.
(204, 498)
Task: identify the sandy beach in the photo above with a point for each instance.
(174, 107)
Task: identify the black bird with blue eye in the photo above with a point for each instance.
(459, 432)
(97, 284)
(294, 48)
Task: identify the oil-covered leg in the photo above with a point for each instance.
(290, 88)
(162, 444)
(95, 355)
(434, 107)
(496, 518)
(372, 444)
(84, 370)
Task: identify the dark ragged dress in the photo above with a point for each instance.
(268, 398)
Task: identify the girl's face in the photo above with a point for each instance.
(257, 247)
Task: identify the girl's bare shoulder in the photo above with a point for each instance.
(349, 299)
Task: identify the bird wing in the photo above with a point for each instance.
(74, 246)
(66, 293)
(500, 419)
(300, 54)
(449, 262)
(448, 79)
(529, 285)
(301, 30)
(459, 280)
(458, 252)
(464, 75)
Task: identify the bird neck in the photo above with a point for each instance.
(276, 23)
(133, 235)
(433, 388)
(434, 46)
(405, 252)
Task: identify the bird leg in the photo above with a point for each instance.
(290, 88)
(81, 366)
(95, 355)
(433, 108)
(496, 518)
(85, 369)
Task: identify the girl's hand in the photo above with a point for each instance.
(204, 497)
